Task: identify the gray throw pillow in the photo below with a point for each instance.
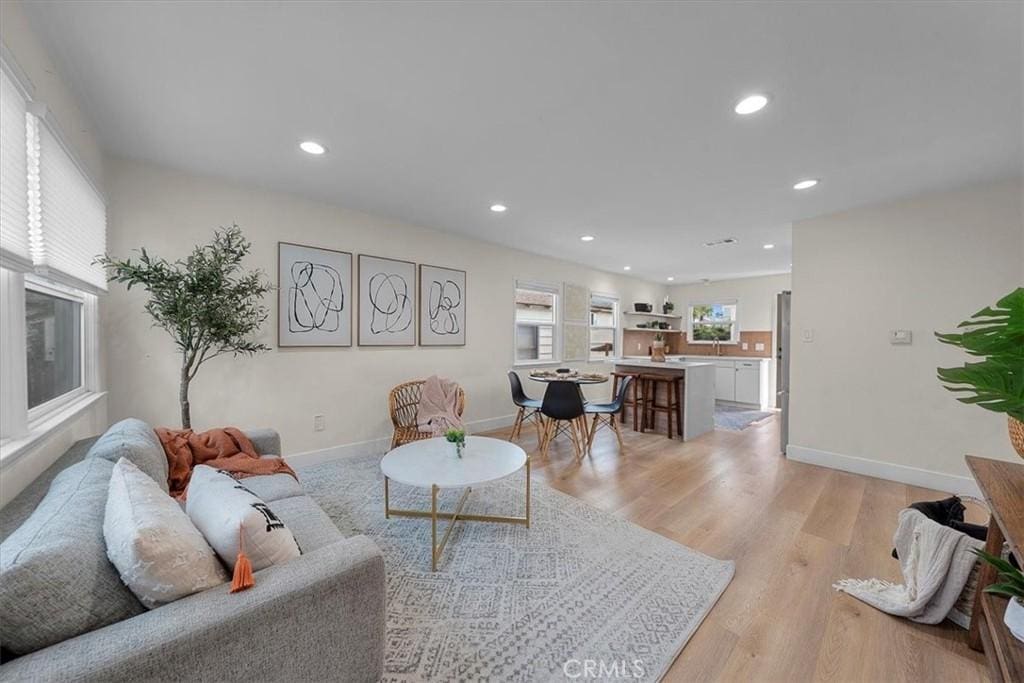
(55, 579)
(135, 441)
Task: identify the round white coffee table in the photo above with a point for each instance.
(433, 464)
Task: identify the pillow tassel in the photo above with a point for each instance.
(243, 577)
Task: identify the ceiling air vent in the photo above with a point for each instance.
(722, 242)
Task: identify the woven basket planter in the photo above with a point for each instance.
(1017, 435)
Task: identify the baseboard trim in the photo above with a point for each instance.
(885, 470)
(379, 446)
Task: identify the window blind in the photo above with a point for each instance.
(14, 244)
(67, 217)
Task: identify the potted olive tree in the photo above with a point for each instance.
(995, 336)
(207, 303)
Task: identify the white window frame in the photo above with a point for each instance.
(25, 428)
(734, 324)
(556, 325)
(614, 327)
(43, 410)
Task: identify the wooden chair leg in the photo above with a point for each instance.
(670, 400)
(537, 418)
(618, 433)
(593, 430)
(574, 436)
(516, 424)
(545, 437)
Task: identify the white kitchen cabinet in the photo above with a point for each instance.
(725, 381)
(748, 382)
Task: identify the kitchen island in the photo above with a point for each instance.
(697, 400)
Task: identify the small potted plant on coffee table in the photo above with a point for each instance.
(457, 437)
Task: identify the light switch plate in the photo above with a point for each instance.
(808, 334)
(759, 346)
(745, 346)
(901, 337)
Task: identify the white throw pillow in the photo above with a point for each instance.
(221, 507)
(158, 552)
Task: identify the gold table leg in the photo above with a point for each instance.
(434, 514)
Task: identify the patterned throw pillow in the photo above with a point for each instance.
(159, 553)
(228, 513)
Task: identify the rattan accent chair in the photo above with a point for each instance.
(402, 404)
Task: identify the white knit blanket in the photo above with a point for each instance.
(935, 561)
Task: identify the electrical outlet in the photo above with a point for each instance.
(319, 423)
(759, 346)
(745, 346)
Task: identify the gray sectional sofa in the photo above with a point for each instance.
(320, 616)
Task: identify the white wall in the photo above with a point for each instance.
(168, 212)
(756, 296)
(922, 264)
(34, 63)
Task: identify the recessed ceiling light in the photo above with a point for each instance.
(769, 246)
(587, 238)
(499, 208)
(670, 278)
(751, 104)
(805, 184)
(311, 147)
(626, 268)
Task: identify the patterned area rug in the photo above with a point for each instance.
(516, 604)
(736, 418)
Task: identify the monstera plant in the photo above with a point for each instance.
(995, 336)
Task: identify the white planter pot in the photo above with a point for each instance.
(1014, 618)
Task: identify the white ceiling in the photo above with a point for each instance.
(613, 119)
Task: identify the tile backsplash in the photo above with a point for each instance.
(677, 344)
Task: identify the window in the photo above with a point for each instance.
(604, 322)
(536, 324)
(53, 345)
(713, 322)
(52, 226)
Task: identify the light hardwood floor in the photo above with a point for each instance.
(793, 530)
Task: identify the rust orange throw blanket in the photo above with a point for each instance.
(225, 449)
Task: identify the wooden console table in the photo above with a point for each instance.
(1002, 484)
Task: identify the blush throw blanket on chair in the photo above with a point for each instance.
(225, 449)
(436, 412)
(936, 562)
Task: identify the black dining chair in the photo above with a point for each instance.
(529, 409)
(563, 412)
(605, 413)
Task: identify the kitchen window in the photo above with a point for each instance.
(604, 322)
(714, 322)
(536, 324)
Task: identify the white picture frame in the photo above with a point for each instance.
(314, 296)
(387, 301)
(442, 294)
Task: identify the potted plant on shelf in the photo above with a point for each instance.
(658, 348)
(996, 383)
(667, 307)
(457, 437)
(1009, 583)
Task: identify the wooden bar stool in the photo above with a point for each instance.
(632, 398)
(661, 385)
